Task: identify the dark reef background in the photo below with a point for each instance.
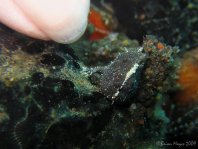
(129, 83)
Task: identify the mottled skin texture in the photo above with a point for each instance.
(117, 76)
(63, 21)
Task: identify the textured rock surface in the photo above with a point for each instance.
(48, 94)
(108, 93)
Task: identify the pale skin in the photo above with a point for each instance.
(63, 21)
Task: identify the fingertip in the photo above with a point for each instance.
(63, 21)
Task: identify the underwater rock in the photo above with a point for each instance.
(107, 93)
(4, 117)
(50, 98)
(160, 71)
(102, 52)
(110, 92)
(184, 123)
(173, 20)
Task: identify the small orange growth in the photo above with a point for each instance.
(140, 122)
(142, 17)
(188, 79)
(160, 46)
(100, 28)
